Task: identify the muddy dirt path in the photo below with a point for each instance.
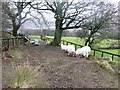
(62, 71)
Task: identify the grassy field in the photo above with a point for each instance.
(32, 37)
(72, 39)
(77, 40)
(103, 43)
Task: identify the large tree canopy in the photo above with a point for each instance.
(67, 14)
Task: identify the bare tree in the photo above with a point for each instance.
(14, 11)
(93, 16)
(67, 14)
(6, 22)
(97, 24)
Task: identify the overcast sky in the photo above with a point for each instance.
(113, 1)
(50, 17)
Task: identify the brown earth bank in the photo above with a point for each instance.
(61, 71)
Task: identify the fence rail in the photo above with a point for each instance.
(94, 50)
(11, 42)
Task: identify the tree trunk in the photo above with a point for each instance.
(14, 32)
(15, 28)
(58, 24)
(88, 40)
(91, 42)
(58, 32)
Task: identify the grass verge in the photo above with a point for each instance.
(26, 76)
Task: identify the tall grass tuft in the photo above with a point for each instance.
(25, 76)
(16, 54)
(105, 65)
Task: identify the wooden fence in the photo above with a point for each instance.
(94, 50)
(11, 42)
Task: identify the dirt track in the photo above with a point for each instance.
(63, 71)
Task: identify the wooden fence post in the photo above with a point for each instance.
(22, 40)
(112, 57)
(67, 43)
(63, 43)
(102, 54)
(18, 41)
(75, 47)
(13, 42)
(94, 52)
(8, 43)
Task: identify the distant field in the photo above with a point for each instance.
(77, 40)
(72, 39)
(114, 51)
(34, 37)
(103, 43)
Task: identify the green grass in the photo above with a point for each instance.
(72, 39)
(32, 37)
(114, 51)
(98, 54)
(107, 43)
(77, 40)
(103, 43)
